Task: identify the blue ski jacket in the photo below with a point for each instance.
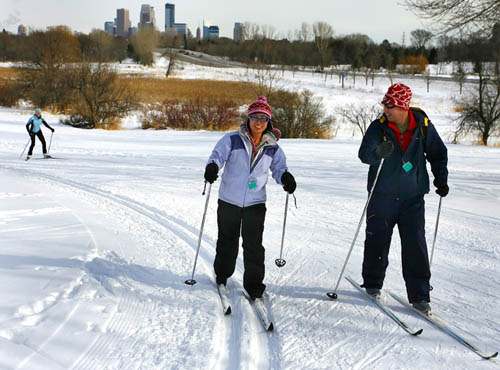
(34, 124)
(243, 182)
(395, 181)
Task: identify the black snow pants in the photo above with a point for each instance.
(42, 139)
(232, 220)
(381, 217)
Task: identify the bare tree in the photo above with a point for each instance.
(251, 31)
(459, 75)
(420, 38)
(323, 32)
(458, 15)
(481, 110)
(360, 115)
(144, 43)
(304, 34)
(100, 100)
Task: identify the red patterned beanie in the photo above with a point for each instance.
(260, 106)
(398, 95)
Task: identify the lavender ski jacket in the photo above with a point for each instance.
(244, 180)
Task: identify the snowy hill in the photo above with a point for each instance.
(96, 245)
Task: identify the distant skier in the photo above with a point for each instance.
(34, 129)
(406, 138)
(247, 155)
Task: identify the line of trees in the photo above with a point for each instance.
(311, 45)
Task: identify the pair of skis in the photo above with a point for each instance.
(428, 316)
(257, 304)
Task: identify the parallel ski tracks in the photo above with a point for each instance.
(129, 309)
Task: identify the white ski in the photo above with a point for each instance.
(386, 309)
(443, 327)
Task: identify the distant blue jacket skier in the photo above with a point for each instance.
(246, 155)
(34, 129)
(406, 139)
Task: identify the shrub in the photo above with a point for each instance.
(197, 114)
(300, 115)
(10, 94)
(413, 64)
(99, 101)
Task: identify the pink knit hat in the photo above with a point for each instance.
(398, 95)
(260, 106)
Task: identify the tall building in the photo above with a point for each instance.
(198, 34)
(206, 25)
(213, 32)
(21, 30)
(147, 16)
(169, 16)
(123, 22)
(238, 31)
(181, 29)
(110, 27)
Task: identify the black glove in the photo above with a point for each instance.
(384, 149)
(53, 129)
(442, 188)
(289, 184)
(211, 172)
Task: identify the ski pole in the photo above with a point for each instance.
(280, 262)
(333, 295)
(435, 231)
(192, 281)
(435, 236)
(51, 134)
(24, 148)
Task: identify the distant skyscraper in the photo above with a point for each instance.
(123, 22)
(110, 28)
(181, 29)
(238, 31)
(169, 16)
(206, 25)
(213, 32)
(21, 30)
(198, 34)
(147, 17)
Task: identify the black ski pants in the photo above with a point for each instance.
(381, 217)
(42, 139)
(249, 221)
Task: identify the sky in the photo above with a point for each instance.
(388, 21)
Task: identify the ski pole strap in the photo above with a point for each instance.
(295, 201)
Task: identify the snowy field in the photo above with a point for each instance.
(95, 247)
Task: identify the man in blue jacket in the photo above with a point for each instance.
(247, 155)
(34, 129)
(405, 138)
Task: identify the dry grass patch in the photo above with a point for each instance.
(155, 90)
(9, 73)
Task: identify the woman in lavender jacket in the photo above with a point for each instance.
(246, 155)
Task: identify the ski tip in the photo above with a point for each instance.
(270, 327)
(332, 295)
(418, 332)
(492, 356)
(228, 311)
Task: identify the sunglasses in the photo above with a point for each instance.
(257, 119)
(389, 106)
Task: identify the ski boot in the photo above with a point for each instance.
(373, 292)
(423, 307)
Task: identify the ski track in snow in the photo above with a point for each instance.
(228, 340)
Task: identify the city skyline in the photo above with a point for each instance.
(359, 16)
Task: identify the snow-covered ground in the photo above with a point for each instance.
(95, 247)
